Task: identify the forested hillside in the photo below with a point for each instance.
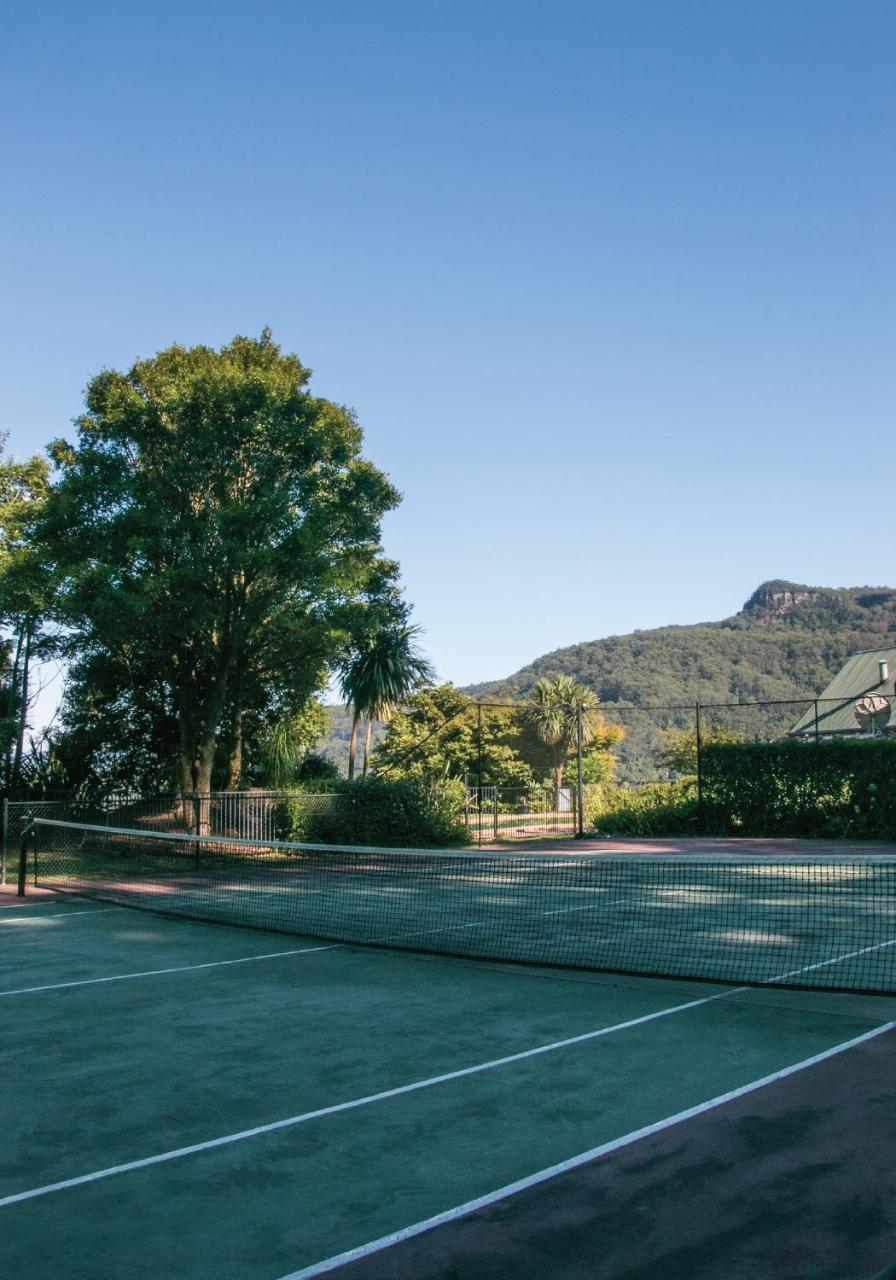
(786, 643)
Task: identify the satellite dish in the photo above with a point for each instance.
(872, 713)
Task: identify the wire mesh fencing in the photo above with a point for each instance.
(785, 767)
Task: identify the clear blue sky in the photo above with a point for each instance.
(610, 285)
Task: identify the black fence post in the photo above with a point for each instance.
(23, 855)
(580, 784)
(479, 787)
(701, 817)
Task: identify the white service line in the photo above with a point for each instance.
(91, 911)
(290, 1121)
(808, 968)
(154, 973)
(586, 1157)
(589, 906)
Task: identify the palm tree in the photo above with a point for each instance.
(381, 672)
(552, 715)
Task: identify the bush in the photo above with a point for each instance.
(407, 814)
(841, 788)
(655, 809)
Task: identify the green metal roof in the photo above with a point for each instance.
(859, 676)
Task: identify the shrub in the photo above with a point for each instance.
(655, 809)
(406, 814)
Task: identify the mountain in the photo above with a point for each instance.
(787, 642)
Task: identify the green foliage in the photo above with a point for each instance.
(413, 813)
(787, 643)
(288, 742)
(655, 809)
(383, 668)
(26, 592)
(598, 767)
(216, 533)
(436, 734)
(679, 755)
(553, 715)
(841, 788)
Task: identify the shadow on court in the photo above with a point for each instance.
(208, 1102)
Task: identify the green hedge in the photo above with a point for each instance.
(655, 809)
(407, 814)
(841, 788)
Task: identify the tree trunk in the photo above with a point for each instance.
(353, 745)
(13, 711)
(235, 759)
(23, 711)
(205, 761)
(367, 737)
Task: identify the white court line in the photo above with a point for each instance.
(808, 968)
(615, 902)
(94, 911)
(352, 1105)
(153, 973)
(586, 1157)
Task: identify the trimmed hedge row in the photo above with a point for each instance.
(841, 788)
(411, 814)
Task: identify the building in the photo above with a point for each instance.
(860, 701)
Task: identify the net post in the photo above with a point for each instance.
(23, 855)
(701, 817)
(580, 785)
(5, 838)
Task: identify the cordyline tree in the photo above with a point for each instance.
(553, 714)
(383, 669)
(216, 534)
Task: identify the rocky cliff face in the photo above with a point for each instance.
(791, 604)
(779, 603)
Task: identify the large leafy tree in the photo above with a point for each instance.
(442, 733)
(383, 669)
(216, 531)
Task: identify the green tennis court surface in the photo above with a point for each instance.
(195, 1100)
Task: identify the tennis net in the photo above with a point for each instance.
(808, 922)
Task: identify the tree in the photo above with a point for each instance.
(25, 595)
(215, 530)
(679, 754)
(441, 733)
(553, 714)
(289, 743)
(382, 671)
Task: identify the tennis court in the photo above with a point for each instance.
(189, 1097)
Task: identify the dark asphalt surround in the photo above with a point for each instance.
(796, 1181)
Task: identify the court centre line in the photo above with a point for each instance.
(291, 1121)
(91, 911)
(575, 1162)
(154, 973)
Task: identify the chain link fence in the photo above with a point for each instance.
(663, 770)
